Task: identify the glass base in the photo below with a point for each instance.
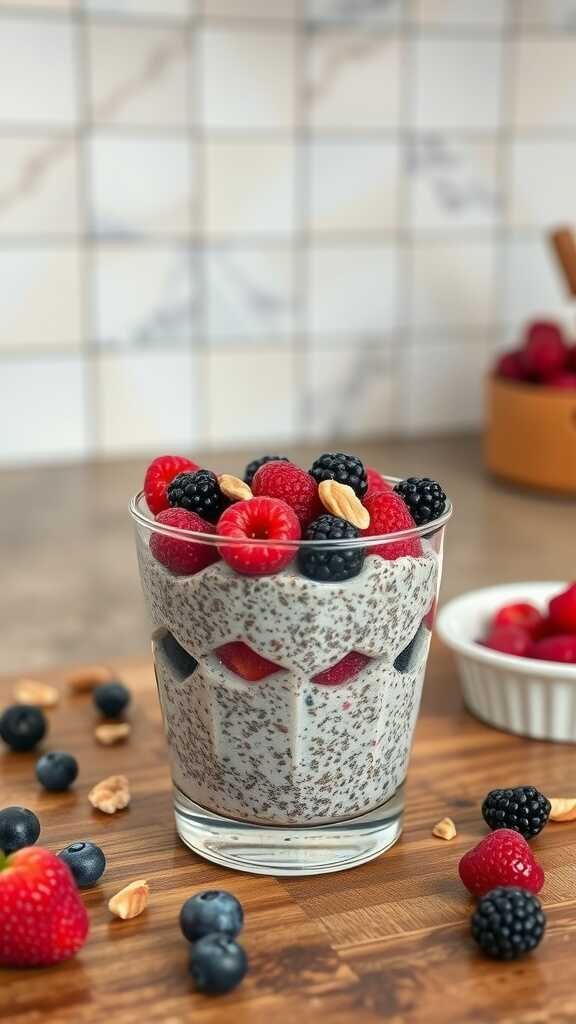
(274, 850)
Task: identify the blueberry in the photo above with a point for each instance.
(111, 698)
(19, 827)
(86, 862)
(211, 911)
(22, 726)
(56, 771)
(217, 964)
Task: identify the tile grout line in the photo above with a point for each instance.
(300, 339)
(197, 341)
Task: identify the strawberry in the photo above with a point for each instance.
(343, 671)
(389, 514)
(562, 610)
(521, 614)
(282, 479)
(258, 519)
(545, 352)
(42, 918)
(245, 662)
(183, 557)
(376, 482)
(502, 858)
(561, 647)
(159, 474)
(509, 640)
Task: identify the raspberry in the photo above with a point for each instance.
(562, 610)
(343, 671)
(330, 565)
(509, 640)
(522, 809)
(253, 467)
(345, 469)
(159, 474)
(502, 858)
(389, 514)
(564, 380)
(293, 485)
(258, 519)
(510, 366)
(545, 352)
(508, 923)
(424, 497)
(555, 648)
(376, 482)
(520, 614)
(197, 492)
(183, 557)
(245, 662)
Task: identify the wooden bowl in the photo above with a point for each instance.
(531, 435)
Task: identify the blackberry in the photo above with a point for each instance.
(253, 467)
(197, 492)
(424, 497)
(345, 469)
(508, 922)
(523, 809)
(330, 565)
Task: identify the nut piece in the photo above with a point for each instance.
(83, 680)
(110, 733)
(234, 488)
(131, 900)
(341, 500)
(563, 808)
(445, 829)
(110, 795)
(29, 691)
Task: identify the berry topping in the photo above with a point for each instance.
(159, 475)
(111, 698)
(22, 726)
(198, 492)
(211, 911)
(343, 671)
(253, 467)
(509, 640)
(523, 809)
(424, 497)
(376, 482)
(511, 366)
(545, 352)
(86, 862)
(56, 771)
(258, 519)
(562, 610)
(241, 659)
(217, 964)
(43, 918)
(522, 614)
(183, 557)
(389, 514)
(329, 565)
(346, 469)
(19, 827)
(508, 922)
(555, 648)
(502, 858)
(293, 485)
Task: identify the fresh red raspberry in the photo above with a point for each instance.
(245, 662)
(502, 858)
(562, 610)
(510, 365)
(258, 519)
(509, 640)
(183, 557)
(545, 352)
(389, 514)
(572, 357)
(565, 381)
(159, 474)
(555, 648)
(291, 484)
(521, 614)
(343, 671)
(376, 482)
(43, 918)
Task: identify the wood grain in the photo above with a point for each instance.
(386, 941)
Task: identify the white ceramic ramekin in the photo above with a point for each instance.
(521, 695)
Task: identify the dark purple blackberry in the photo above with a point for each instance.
(508, 922)
(331, 565)
(346, 469)
(197, 492)
(253, 467)
(424, 497)
(524, 809)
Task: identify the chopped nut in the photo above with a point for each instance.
(340, 500)
(234, 488)
(83, 680)
(563, 808)
(131, 900)
(110, 795)
(110, 733)
(29, 691)
(445, 829)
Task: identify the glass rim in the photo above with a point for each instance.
(427, 530)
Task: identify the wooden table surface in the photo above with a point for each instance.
(387, 941)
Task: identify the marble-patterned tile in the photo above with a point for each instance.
(249, 293)
(443, 384)
(532, 287)
(248, 78)
(141, 186)
(130, 417)
(457, 82)
(490, 13)
(144, 297)
(353, 185)
(546, 99)
(353, 78)
(349, 392)
(41, 297)
(535, 165)
(45, 433)
(138, 75)
(271, 10)
(452, 182)
(249, 189)
(268, 415)
(377, 12)
(452, 284)
(162, 8)
(38, 186)
(555, 14)
(37, 72)
(40, 5)
(353, 290)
